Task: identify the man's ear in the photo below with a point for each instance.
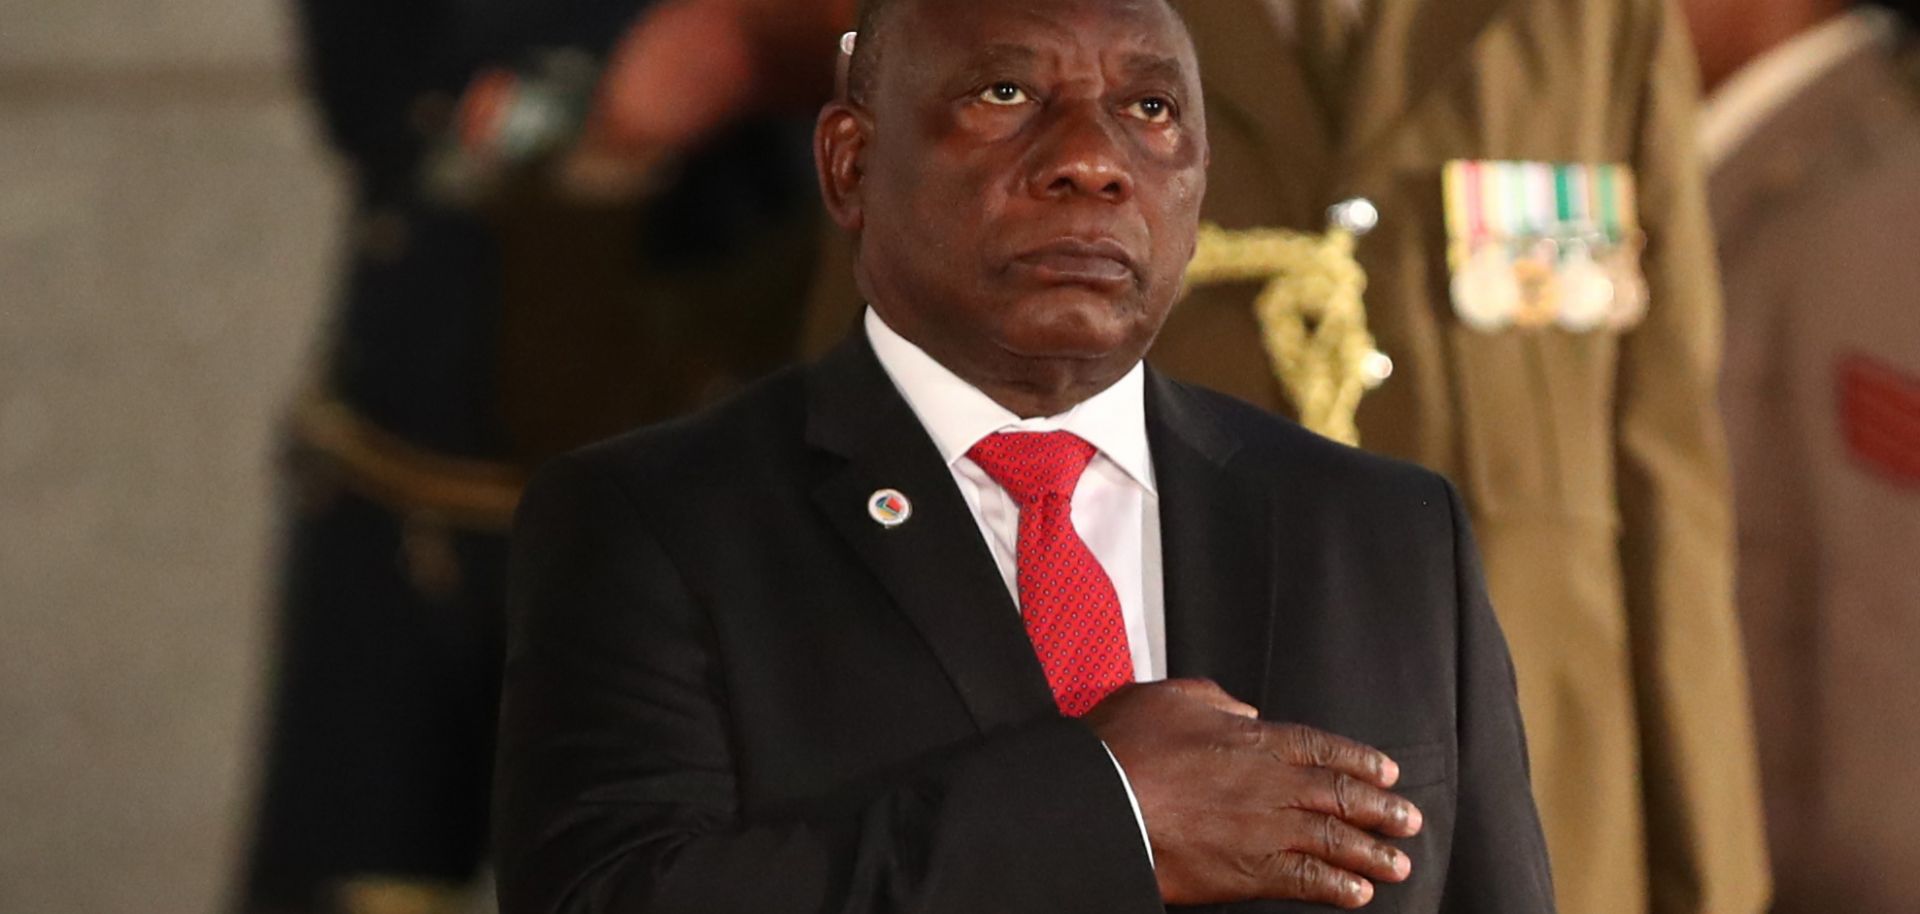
(839, 155)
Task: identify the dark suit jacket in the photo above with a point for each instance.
(730, 690)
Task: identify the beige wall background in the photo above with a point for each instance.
(167, 227)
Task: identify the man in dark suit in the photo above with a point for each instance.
(879, 634)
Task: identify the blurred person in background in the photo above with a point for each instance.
(1812, 137)
(570, 217)
(1542, 275)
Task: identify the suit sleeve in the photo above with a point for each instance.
(1499, 861)
(617, 786)
(1705, 851)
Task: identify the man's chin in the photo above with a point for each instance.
(1073, 323)
(1062, 346)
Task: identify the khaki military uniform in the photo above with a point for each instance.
(1592, 462)
(1822, 394)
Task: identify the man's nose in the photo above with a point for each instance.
(1082, 154)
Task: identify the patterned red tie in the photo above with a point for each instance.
(1071, 610)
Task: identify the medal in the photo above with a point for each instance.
(1587, 295)
(1617, 216)
(1630, 286)
(1538, 273)
(1540, 244)
(1486, 293)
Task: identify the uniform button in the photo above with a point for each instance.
(1357, 216)
(1375, 369)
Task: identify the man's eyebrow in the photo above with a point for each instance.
(1000, 56)
(995, 59)
(1154, 68)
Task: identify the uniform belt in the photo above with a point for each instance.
(374, 463)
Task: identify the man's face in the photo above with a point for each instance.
(1030, 184)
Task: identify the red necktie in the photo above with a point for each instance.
(1071, 610)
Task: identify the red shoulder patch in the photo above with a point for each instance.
(1880, 417)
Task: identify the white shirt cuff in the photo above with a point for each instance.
(1134, 802)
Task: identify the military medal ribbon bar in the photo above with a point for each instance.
(1542, 244)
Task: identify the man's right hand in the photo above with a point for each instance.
(1239, 809)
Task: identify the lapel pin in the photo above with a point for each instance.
(889, 508)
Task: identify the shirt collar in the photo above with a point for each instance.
(957, 415)
(1769, 81)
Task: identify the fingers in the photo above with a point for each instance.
(1217, 698)
(1300, 876)
(1343, 846)
(1360, 804)
(1300, 745)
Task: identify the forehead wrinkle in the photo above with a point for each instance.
(1041, 29)
(1002, 54)
(1026, 38)
(1142, 66)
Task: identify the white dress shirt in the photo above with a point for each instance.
(1758, 89)
(1116, 509)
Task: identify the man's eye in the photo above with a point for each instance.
(1153, 110)
(1004, 94)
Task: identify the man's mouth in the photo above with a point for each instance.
(1098, 262)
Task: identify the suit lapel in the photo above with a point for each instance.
(935, 566)
(1251, 599)
(1221, 576)
(1215, 534)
